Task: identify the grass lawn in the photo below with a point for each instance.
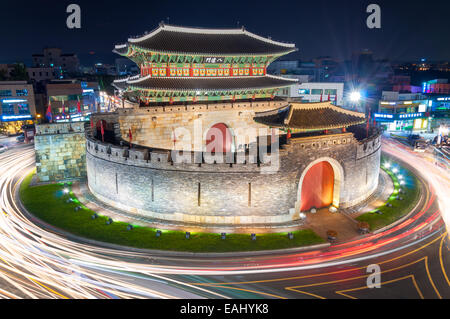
(411, 194)
(49, 203)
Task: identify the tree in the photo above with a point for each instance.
(3, 75)
(19, 72)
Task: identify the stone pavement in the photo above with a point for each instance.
(344, 222)
(324, 220)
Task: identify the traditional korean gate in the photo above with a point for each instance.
(318, 186)
(219, 139)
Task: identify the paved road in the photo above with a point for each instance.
(413, 257)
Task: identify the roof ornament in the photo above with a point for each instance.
(161, 24)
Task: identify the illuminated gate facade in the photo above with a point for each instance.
(219, 139)
(318, 186)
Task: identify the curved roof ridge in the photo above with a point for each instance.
(198, 30)
(326, 104)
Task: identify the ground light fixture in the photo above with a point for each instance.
(253, 236)
(158, 233)
(188, 235)
(223, 235)
(66, 191)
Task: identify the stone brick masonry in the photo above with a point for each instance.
(150, 184)
(60, 152)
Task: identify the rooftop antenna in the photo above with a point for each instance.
(238, 22)
(168, 20)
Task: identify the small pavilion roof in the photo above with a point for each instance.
(200, 41)
(310, 116)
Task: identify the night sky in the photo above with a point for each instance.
(410, 29)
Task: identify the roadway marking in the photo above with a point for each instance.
(343, 292)
(295, 288)
(441, 260)
(252, 291)
(321, 274)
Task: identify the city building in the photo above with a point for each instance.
(413, 111)
(315, 92)
(206, 141)
(126, 67)
(42, 74)
(438, 86)
(54, 58)
(17, 106)
(63, 96)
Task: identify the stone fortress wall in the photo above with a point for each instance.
(148, 182)
(60, 151)
(156, 126)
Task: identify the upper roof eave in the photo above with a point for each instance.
(279, 53)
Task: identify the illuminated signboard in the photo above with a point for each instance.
(10, 118)
(213, 60)
(410, 115)
(384, 116)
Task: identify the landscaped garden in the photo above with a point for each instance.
(403, 199)
(55, 204)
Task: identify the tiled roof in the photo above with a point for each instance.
(206, 84)
(310, 116)
(181, 40)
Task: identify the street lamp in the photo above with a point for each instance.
(355, 96)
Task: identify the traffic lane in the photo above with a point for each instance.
(415, 272)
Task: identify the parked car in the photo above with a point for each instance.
(20, 138)
(3, 148)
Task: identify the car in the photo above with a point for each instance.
(420, 146)
(3, 148)
(20, 138)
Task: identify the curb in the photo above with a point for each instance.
(399, 221)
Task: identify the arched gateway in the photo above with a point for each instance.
(320, 184)
(219, 139)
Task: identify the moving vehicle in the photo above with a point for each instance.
(3, 148)
(20, 138)
(420, 146)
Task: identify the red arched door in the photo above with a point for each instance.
(219, 139)
(317, 187)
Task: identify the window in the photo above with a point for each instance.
(8, 109)
(23, 92)
(316, 91)
(330, 91)
(304, 91)
(23, 109)
(5, 93)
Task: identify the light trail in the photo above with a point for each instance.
(436, 176)
(37, 263)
